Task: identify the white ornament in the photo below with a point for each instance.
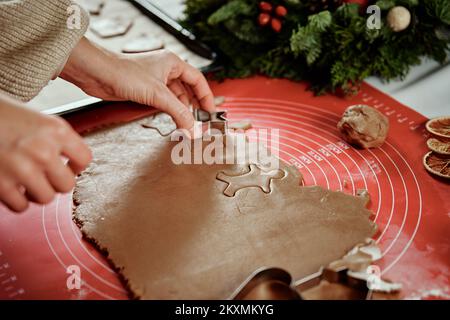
(398, 18)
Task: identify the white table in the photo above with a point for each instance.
(426, 89)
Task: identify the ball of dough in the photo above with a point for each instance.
(363, 126)
(398, 18)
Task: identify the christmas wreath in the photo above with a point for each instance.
(333, 44)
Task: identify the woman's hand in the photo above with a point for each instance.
(31, 166)
(159, 79)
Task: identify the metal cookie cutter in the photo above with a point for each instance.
(276, 284)
(267, 284)
(339, 276)
(215, 120)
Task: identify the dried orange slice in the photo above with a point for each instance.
(439, 146)
(439, 127)
(437, 164)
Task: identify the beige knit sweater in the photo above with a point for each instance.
(35, 42)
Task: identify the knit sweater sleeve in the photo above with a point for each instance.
(36, 38)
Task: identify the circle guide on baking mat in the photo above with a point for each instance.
(42, 250)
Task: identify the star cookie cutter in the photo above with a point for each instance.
(215, 120)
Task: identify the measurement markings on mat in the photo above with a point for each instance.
(318, 155)
(8, 280)
(390, 112)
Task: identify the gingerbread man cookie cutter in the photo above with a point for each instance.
(276, 283)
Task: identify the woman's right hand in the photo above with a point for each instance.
(32, 147)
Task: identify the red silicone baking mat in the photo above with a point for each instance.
(411, 208)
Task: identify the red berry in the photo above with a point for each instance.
(265, 6)
(280, 11)
(276, 24)
(263, 19)
(362, 3)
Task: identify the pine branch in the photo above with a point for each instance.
(228, 11)
(307, 40)
(440, 9)
(331, 50)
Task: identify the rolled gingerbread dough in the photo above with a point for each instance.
(172, 233)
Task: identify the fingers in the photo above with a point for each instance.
(11, 196)
(194, 101)
(76, 151)
(60, 139)
(195, 79)
(32, 178)
(47, 159)
(31, 150)
(179, 90)
(33, 169)
(19, 170)
(60, 176)
(164, 99)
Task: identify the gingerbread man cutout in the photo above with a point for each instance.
(254, 178)
(162, 123)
